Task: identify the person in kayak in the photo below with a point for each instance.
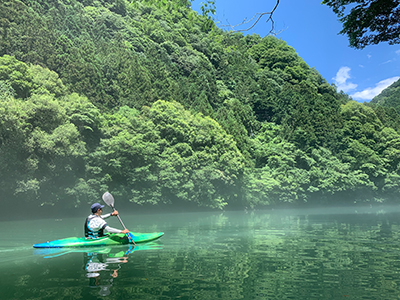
(95, 224)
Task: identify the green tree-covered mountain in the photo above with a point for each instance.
(389, 97)
(151, 101)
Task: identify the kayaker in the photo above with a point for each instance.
(95, 224)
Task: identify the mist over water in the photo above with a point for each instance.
(336, 253)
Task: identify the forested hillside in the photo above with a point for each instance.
(389, 97)
(151, 101)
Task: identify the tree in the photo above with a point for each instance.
(368, 22)
(17, 75)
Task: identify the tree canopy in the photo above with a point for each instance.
(151, 101)
(368, 22)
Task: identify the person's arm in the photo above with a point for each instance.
(106, 216)
(114, 230)
(114, 213)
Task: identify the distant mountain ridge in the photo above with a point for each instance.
(389, 97)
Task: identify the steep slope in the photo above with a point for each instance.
(389, 97)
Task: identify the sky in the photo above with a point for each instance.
(312, 29)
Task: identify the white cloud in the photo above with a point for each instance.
(341, 80)
(398, 52)
(370, 93)
(388, 61)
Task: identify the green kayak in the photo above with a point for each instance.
(108, 240)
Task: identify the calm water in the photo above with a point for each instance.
(235, 255)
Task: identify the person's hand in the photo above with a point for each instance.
(114, 213)
(125, 231)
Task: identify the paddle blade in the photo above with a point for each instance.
(108, 199)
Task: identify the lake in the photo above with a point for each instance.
(282, 254)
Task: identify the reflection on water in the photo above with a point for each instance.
(233, 255)
(102, 267)
(101, 264)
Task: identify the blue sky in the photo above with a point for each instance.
(312, 30)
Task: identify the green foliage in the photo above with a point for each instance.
(369, 22)
(46, 81)
(367, 145)
(41, 151)
(207, 9)
(153, 102)
(278, 175)
(238, 120)
(6, 91)
(17, 75)
(168, 155)
(388, 116)
(275, 55)
(329, 175)
(389, 97)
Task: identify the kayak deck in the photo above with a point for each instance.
(108, 240)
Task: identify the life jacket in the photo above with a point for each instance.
(89, 232)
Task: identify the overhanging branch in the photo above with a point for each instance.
(257, 17)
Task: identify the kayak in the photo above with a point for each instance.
(108, 240)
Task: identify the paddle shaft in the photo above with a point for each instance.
(109, 200)
(119, 218)
(122, 223)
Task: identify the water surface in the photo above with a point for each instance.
(303, 254)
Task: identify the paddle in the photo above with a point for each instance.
(109, 200)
